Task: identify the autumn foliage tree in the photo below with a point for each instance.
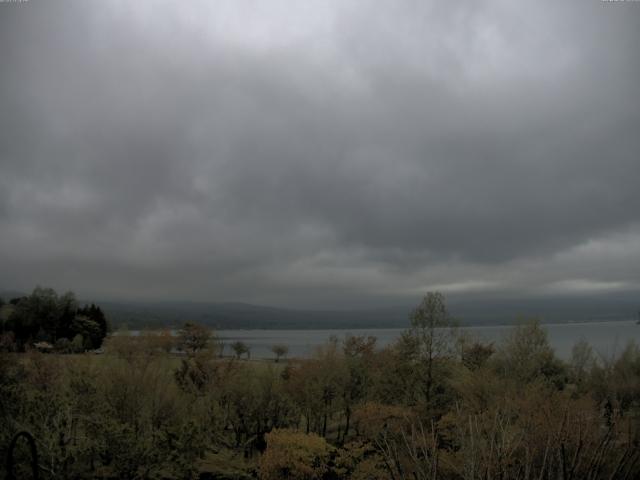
(292, 455)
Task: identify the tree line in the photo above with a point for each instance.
(436, 404)
(51, 321)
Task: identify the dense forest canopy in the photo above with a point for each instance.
(46, 318)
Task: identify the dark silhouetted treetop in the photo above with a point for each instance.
(46, 316)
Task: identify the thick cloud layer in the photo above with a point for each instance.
(319, 153)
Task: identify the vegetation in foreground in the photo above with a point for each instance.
(433, 405)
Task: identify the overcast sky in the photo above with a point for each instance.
(324, 153)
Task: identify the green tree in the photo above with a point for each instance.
(280, 351)
(38, 310)
(77, 344)
(430, 337)
(89, 329)
(95, 313)
(527, 356)
(193, 337)
(240, 348)
(45, 315)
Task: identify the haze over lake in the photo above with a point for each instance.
(606, 338)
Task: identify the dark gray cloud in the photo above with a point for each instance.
(319, 152)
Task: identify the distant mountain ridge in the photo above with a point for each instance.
(238, 315)
(247, 316)
(230, 315)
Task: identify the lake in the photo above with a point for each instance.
(606, 338)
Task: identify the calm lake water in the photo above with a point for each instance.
(606, 338)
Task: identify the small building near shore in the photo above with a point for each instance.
(43, 346)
